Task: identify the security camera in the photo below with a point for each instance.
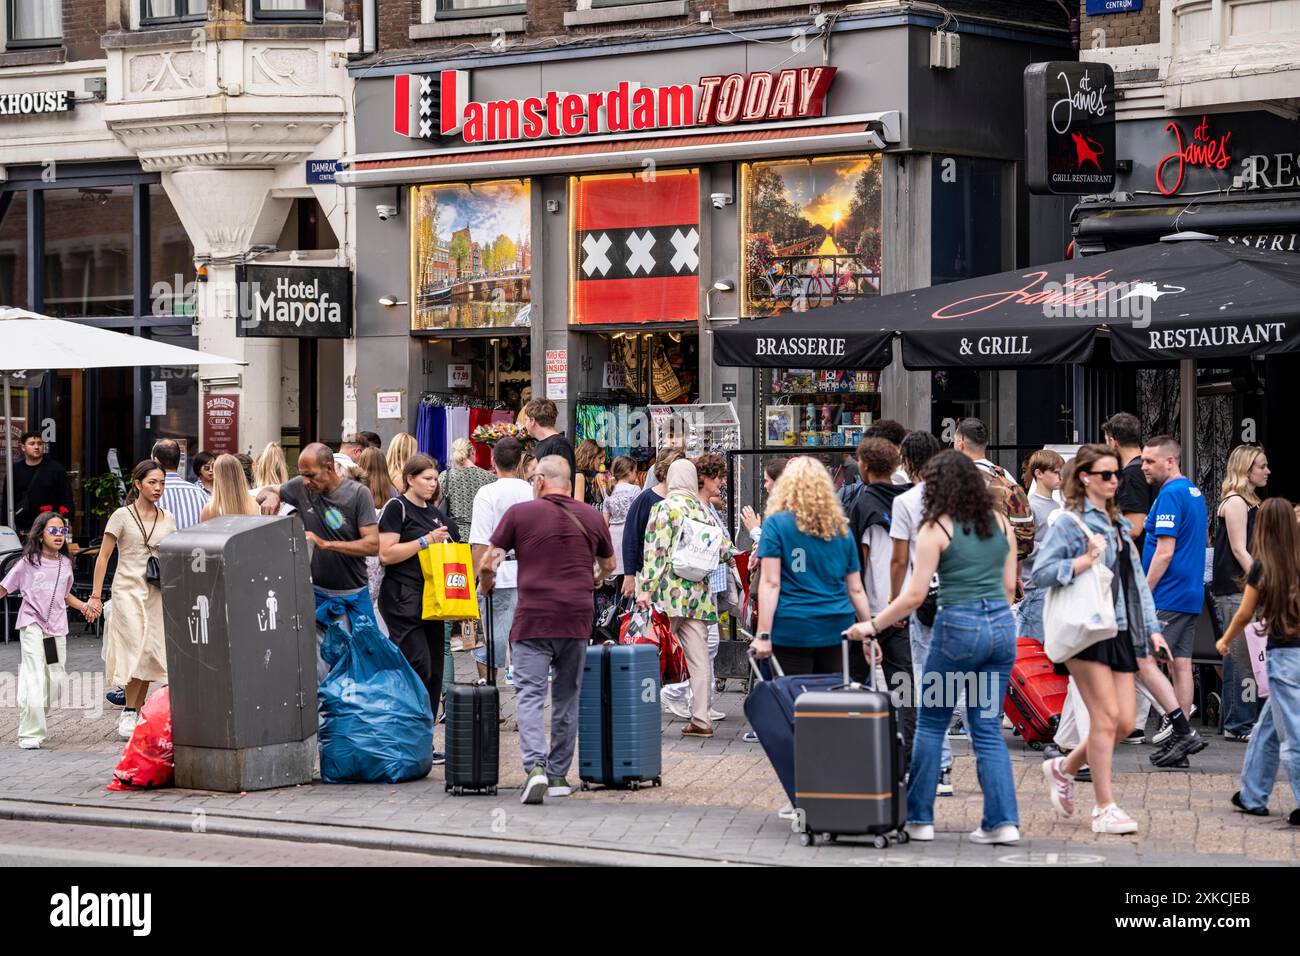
(720, 200)
(385, 212)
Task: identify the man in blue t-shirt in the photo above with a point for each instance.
(1173, 556)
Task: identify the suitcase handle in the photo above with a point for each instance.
(848, 681)
(488, 642)
(753, 665)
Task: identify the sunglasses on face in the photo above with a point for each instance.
(1104, 475)
(57, 532)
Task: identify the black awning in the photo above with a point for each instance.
(1167, 300)
(837, 336)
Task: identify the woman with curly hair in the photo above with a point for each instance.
(810, 585)
(973, 643)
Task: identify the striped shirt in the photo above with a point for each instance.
(182, 501)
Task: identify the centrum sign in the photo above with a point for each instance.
(718, 100)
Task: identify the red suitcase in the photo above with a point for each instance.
(1035, 694)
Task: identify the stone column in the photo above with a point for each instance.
(227, 214)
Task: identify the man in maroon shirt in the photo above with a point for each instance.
(556, 540)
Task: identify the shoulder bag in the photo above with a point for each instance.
(697, 550)
(1082, 613)
(152, 569)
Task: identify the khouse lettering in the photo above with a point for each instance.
(76, 909)
(293, 303)
(1218, 336)
(629, 107)
(37, 102)
(800, 346)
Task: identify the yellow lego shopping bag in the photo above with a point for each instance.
(449, 593)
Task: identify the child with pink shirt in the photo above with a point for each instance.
(44, 577)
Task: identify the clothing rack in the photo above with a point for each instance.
(443, 417)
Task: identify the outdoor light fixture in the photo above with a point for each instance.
(388, 301)
(723, 285)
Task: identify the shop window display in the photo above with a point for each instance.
(635, 253)
(811, 232)
(471, 255)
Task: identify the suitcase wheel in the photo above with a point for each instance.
(903, 836)
(828, 837)
(807, 839)
(658, 782)
(492, 791)
(446, 788)
(1035, 745)
(880, 842)
(583, 786)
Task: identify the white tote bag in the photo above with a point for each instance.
(1081, 613)
(696, 551)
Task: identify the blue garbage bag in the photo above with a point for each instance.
(376, 722)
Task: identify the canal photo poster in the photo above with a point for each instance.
(471, 255)
(811, 231)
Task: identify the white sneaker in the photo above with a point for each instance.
(29, 743)
(1061, 786)
(920, 832)
(1112, 819)
(788, 812)
(1007, 724)
(677, 708)
(1003, 834)
(126, 723)
(716, 715)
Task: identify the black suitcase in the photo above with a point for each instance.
(473, 738)
(848, 764)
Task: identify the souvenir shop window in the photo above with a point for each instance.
(647, 368)
(817, 407)
(635, 252)
(442, 417)
(471, 255)
(811, 231)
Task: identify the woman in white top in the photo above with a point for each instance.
(618, 502)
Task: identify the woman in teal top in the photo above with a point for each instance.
(809, 589)
(974, 643)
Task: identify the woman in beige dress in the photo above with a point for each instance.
(135, 652)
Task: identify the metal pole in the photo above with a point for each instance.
(1187, 416)
(9, 461)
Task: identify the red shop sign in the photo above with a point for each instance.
(1202, 152)
(423, 104)
(221, 424)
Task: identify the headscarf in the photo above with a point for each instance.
(682, 477)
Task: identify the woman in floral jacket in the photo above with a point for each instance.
(688, 605)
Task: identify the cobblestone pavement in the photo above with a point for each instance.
(717, 802)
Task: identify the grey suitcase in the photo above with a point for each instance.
(848, 764)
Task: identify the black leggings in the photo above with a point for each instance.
(420, 641)
(809, 660)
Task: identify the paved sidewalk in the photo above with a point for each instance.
(717, 803)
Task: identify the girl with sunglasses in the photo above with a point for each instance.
(1089, 529)
(44, 576)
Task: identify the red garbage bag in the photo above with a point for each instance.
(147, 762)
(641, 628)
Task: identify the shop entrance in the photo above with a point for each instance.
(621, 373)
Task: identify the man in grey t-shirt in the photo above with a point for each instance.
(342, 528)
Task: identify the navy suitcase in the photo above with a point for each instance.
(848, 764)
(473, 737)
(619, 735)
(769, 708)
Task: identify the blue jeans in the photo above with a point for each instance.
(504, 601)
(973, 644)
(921, 636)
(1239, 714)
(1277, 732)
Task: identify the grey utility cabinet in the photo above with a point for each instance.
(241, 653)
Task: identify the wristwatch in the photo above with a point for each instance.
(763, 636)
